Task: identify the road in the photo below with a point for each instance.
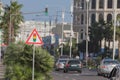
(85, 75)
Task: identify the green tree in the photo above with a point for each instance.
(118, 33)
(96, 35)
(18, 61)
(99, 31)
(11, 20)
(66, 48)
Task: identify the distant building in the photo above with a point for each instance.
(43, 28)
(50, 33)
(98, 9)
(66, 32)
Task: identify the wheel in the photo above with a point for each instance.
(80, 71)
(98, 74)
(65, 71)
(56, 69)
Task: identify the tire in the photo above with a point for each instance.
(56, 69)
(65, 71)
(98, 74)
(80, 71)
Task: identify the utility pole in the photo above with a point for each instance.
(62, 32)
(114, 33)
(71, 30)
(87, 1)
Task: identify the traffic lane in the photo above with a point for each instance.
(72, 75)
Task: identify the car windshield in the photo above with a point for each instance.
(111, 62)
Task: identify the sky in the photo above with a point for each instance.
(54, 7)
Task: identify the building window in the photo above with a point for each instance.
(82, 19)
(118, 3)
(93, 18)
(101, 4)
(77, 4)
(78, 19)
(109, 4)
(75, 19)
(109, 18)
(82, 4)
(81, 36)
(100, 17)
(93, 4)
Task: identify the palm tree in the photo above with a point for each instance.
(99, 31)
(96, 35)
(18, 61)
(10, 21)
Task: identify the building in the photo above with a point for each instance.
(47, 31)
(98, 9)
(66, 32)
(43, 28)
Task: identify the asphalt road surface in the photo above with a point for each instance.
(72, 75)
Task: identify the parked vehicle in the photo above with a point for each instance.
(59, 65)
(115, 73)
(106, 66)
(64, 56)
(73, 65)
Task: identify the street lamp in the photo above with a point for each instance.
(71, 30)
(62, 32)
(87, 1)
(114, 33)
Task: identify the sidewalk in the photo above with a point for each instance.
(2, 71)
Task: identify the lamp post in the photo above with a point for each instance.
(62, 32)
(71, 30)
(114, 33)
(87, 1)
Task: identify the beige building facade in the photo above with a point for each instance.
(97, 10)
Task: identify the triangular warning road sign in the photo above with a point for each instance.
(34, 38)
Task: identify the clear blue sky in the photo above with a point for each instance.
(39, 5)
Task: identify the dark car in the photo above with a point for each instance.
(115, 73)
(73, 65)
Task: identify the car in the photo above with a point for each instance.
(73, 65)
(106, 66)
(115, 73)
(59, 65)
(64, 56)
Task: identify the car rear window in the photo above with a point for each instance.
(111, 62)
(74, 62)
(63, 61)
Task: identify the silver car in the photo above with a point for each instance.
(106, 66)
(115, 73)
(59, 65)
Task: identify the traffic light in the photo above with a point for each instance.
(46, 11)
(34, 37)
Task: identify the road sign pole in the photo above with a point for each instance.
(0, 45)
(34, 38)
(33, 62)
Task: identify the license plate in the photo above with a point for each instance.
(73, 65)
